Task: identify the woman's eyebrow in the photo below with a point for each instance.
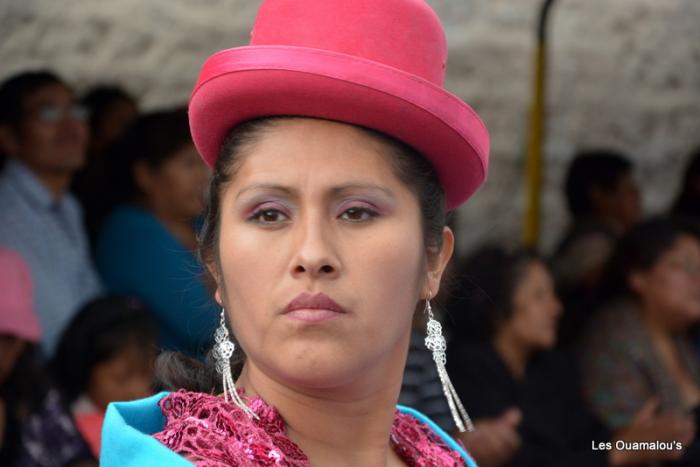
(267, 186)
(335, 191)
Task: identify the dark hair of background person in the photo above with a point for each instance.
(595, 168)
(154, 138)
(15, 90)
(176, 371)
(688, 202)
(487, 281)
(101, 330)
(23, 392)
(100, 100)
(639, 250)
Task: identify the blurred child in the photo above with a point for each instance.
(106, 354)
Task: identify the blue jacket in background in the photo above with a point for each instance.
(137, 255)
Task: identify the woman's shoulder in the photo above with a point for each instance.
(203, 426)
(615, 336)
(419, 439)
(127, 435)
(131, 234)
(618, 319)
(168, 428)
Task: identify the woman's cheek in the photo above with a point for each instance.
(391, 272)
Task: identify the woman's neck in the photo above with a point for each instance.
(513, 353)
(343, 427)
(656, 323)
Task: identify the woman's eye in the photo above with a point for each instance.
(358, 214)
(267, 216)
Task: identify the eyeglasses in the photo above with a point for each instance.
(57, 113)
(688, 266)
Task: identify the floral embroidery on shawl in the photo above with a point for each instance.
(213, 433)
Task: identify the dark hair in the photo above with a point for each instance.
(599, 168)
(23, 392)
(13, 93)
(15, 90)
(488, 279)
(640, 250)
(688, 202)
(154, 138)
(412, 169)
(27, 384)
(101, 99)
(101, 330)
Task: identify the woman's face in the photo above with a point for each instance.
(315, 207)
(536, 309)
(177, 186)
(671, 288)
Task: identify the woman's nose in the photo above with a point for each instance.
(315, 250)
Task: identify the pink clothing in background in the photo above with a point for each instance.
(17, 315)
(88, 420)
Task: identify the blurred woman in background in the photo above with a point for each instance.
(524, 396)
(146, 244)
(637, 348)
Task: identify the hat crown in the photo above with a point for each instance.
(404, 34)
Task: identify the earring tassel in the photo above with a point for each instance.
(223, 353)
(435, 342)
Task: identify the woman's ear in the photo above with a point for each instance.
(437, 262)
(214, 273)
(637, 281)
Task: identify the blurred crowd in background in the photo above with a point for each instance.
(100, 205)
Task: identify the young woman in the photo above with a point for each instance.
(326, 229)
(146, 247)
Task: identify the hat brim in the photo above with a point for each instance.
(244, 83)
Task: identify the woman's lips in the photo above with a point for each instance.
(313, 308)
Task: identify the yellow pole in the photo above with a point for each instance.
(531, 224)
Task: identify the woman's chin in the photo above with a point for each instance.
(317, 372)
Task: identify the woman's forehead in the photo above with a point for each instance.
(316, 151)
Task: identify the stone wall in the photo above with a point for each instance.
(623, 73)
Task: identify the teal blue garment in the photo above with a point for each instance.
(137, 255)
(128, 426)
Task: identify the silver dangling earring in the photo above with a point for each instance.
(435, 342)
(223, 350)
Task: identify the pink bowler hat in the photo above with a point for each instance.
(375, 63)
(17, 315)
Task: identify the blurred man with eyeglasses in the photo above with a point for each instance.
(44, 136)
